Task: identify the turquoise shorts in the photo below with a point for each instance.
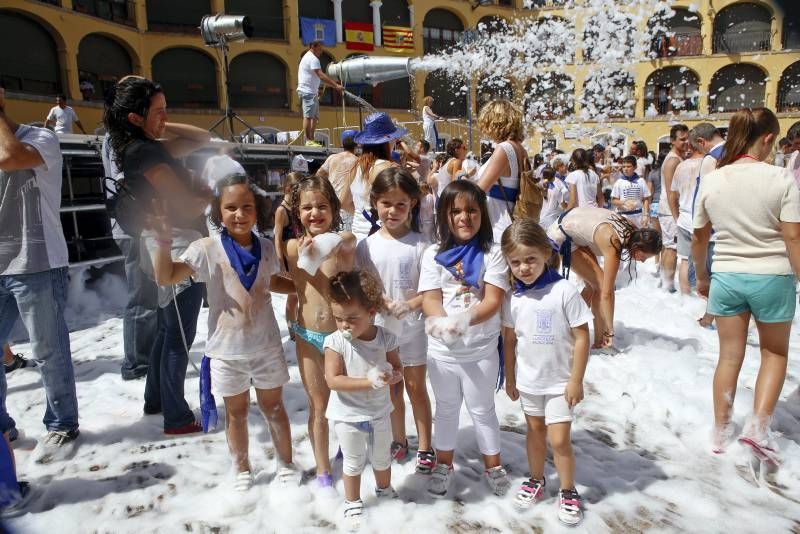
(770, 298)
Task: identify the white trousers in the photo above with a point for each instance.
(473, 383)
(365, 440)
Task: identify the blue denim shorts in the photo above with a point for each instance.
(310, 104)
(770, 298)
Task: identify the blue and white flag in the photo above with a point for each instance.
(318, 30)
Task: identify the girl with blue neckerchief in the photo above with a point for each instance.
(546, 349)
(463, 281)
(244, 345)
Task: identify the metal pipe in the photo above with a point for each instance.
(373, 69)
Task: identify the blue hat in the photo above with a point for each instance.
(379, 129)
(348, 134)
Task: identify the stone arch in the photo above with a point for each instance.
(789, 89)
(258, 80)
(608, 94)
(742, 27)
(449, 95)
(33, 68)
(736, 86)
(676, 35)
(671, 89)
(267, 16)
(102, 61)
(549, 96)
(441, 29)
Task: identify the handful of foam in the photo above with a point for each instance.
(397, 308)
(448, 329)
(311, 256)
(380, 374)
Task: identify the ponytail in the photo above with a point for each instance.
(746, 126)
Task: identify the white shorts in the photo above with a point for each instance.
(414, 350)
(232, 377)
(553, 408)
(669, 231)
(368, 440)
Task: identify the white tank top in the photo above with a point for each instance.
(663, 202)
(443, 178)
(499, 209)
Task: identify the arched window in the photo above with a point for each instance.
(736, 86)
(394, 94)
(101, 62)
(316, 9)
(742, 28)
(395, 13)
(188, 76)
(491, 24)
(549, 96)
(614, 36)
(329, 97)
(441, 29)
(676, 35)
(789, 89)
(608, 94)
(28, 56)
(179, 16)
(449, 95)
(491, 88)
(258, 80)
(357, 11)
(265, 15)
(791, 26)
(671, 89)
(554, 41)
(121, 12)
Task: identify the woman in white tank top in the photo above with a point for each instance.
(592, 232)
(376, 140)
(501, 121)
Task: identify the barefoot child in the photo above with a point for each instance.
(395, 253)
(463, 282)
(361, 364)
(316, 206)
(244, 343)
(546, 348)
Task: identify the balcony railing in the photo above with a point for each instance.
(678, 44)
(670, 104)
(534, 4)
(120, 11)
(747, 41)
(789, 100)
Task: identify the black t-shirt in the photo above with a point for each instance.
(141, 156)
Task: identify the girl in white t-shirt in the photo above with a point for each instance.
(585, 189)
(361, 360)
(244, 346)
(463, 281)
(546, 348)
(394, 253)
(555, 195)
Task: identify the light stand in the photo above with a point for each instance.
(230, 116)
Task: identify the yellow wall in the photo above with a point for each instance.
(69, 27)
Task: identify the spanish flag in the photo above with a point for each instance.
(359, 36)
(398, 39)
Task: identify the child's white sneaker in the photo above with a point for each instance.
(352, 514)
(385, 493)
(244, 481)
(498, 480)
(440, 480)
(287, 474)
(529, 493)
(569, 507)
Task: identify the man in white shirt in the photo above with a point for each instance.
(61, 117)
(679, 138)
(681, 201)
(34, 271)
(309, 77)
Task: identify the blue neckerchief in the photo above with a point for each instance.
(631, 178)
(561, 177)
(464, 262)
(244, 262)
(500, 192)
(551, 185)
(208, 405)
(373, 221)
(549, 276)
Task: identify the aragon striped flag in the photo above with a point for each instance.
(398, 39)
(359, 36)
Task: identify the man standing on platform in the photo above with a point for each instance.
(62, 117)
(309, 77)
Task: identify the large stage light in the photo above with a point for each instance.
(219, 29)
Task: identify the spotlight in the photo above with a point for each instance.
(220, 29)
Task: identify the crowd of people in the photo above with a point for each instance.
(403, 268)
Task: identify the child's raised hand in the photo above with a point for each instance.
(573, 393)
(511, 390)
